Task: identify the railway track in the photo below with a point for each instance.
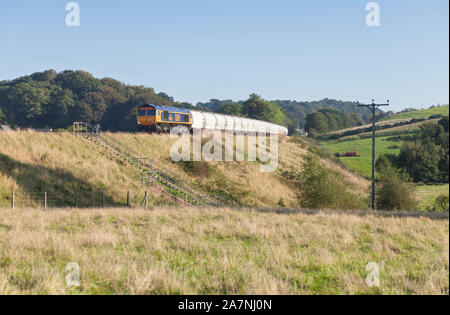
(153, 174)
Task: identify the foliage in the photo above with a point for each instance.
(329, 119)
(298, 111)
(427, 194)
(441, 204)
(231, 108)
(426, 159)
(394, 192)
(58, 99)
(2, 117)
(316, 123)
(257, 108)
(424, 155)
(322, 188)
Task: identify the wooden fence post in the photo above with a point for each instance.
(146, 199)
(12, 199)
(128, 199)
(45, 200)
(76, 199)
(103, 200)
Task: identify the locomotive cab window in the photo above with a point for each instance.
(142, 112)
(151, 112)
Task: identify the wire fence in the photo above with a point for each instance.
(81, 199)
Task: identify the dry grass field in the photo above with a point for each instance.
(170, 250)
(220, 251)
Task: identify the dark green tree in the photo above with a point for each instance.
(317, 122)
(257, 108)
(231, 108)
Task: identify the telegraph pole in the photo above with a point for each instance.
(373, 107)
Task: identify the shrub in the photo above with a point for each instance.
(200, 168)
(441, 204)
(321, 188)
(394, 191)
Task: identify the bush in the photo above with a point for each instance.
(200, 168)
(441, 204)
(394, 191)
(321, 188)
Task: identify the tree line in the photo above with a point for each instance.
(424, 157)
(328, 119)
(55, 100)
(297, 111)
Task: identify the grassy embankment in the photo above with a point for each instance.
(63, 164)
(426, 194)
(424, 113)
(220, 251)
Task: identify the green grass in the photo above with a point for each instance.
(427, 194)
(363, 164)
(424, 113)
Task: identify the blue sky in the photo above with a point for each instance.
(196, 50)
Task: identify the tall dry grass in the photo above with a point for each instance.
(220, 251)
(62, 164)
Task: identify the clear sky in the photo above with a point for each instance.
(200, 49)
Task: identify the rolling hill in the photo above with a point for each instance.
(423, 113)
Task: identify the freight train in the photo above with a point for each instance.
(161, 119)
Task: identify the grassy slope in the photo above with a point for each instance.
(424, 113)
(62, 164)
(427, 194)
(187, 251)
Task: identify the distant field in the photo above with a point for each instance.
(425, 113)
(220, 251)
(428, 193)
(362, 165)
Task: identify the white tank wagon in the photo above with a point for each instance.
(221, 122)
(238, 125)
(210, 121)
(163, 118)
(230, 120)
(198, 120)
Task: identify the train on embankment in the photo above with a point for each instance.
(161, 119)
